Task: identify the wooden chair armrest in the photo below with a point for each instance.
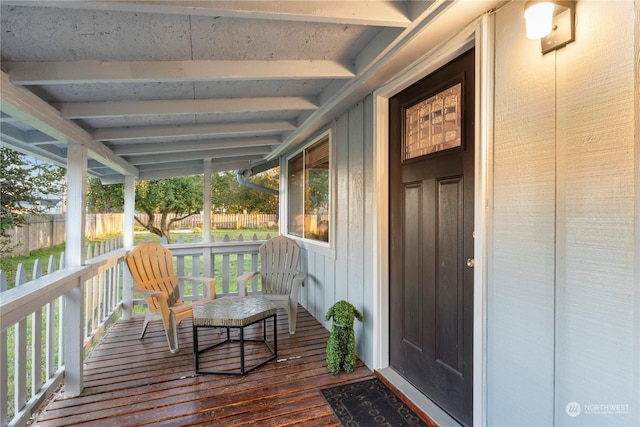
(295, 286)
(242, 281)
(300, 278)
(245, 277)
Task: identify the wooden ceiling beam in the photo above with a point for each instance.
(168, 132)
(372, 13)
(151, 159)
(89, 72)
(29, 109)
(85, 110)
(195, 145)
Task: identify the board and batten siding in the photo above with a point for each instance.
(562, 304)
(345, 271)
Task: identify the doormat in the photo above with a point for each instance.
(369, 403)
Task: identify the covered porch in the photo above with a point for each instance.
(126, 381)
(132, 382)
(130, 90)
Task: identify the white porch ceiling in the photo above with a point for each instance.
(152, 88)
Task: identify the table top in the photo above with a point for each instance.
(232, 311)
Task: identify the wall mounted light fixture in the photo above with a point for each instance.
(551, 21)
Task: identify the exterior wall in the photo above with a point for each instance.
(597, 338)
(563, 288)
(562, 303)
(345, 270)
(520, 301)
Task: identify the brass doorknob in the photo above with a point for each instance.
(471, 262)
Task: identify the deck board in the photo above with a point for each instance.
(132, 382)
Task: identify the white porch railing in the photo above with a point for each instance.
(33, 321)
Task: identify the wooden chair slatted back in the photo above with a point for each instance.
(151, 266)
(279, 261)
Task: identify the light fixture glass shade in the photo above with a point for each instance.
(539, 17)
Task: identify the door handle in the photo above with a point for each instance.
(471, 262)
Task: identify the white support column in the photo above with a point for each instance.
(129, 209)
(129, 212)
(76, 205)
(75, 256)
(206, 215)
(207, 264)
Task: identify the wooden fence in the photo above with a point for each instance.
(40, 231)
(225, 221)
(44, 231)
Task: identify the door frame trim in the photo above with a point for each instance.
(480, 34)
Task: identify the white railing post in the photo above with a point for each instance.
(4, 368)
(207, 262)
(51, 326)
(61, 317)
(36, 339)
(20, 352)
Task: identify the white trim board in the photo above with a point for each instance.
(480, 35)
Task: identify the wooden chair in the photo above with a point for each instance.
(151, 266)
(280, 276)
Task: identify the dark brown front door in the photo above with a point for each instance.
(431, 235)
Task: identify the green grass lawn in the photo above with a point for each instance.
(9, 265)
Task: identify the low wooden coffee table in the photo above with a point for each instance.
(234, 312)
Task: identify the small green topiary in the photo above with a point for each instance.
(341, 348)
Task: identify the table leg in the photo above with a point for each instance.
(195, 347)
(242, 350)
(264, 329)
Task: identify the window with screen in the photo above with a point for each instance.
(308, 190)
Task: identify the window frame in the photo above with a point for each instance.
(327, 135)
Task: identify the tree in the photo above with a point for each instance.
(183, 197)
(104, 198)
(228, 194)
(179, 196)
(24, 183)
(256, 201)
(222, 187)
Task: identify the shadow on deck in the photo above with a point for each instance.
(132, 382)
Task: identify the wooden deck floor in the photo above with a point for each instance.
(131, 382)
